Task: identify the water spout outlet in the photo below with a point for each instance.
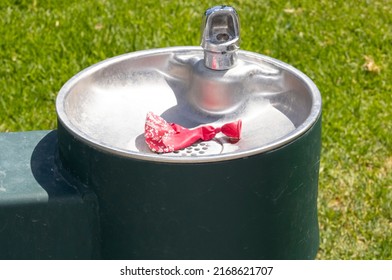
(220, 37)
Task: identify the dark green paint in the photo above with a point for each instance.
(259, 207)
(42, 215)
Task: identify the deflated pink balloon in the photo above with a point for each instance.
(164, 137)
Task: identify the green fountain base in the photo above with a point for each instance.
(42, 214)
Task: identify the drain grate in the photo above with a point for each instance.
(200, 149)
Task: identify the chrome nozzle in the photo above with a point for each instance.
(220, 37)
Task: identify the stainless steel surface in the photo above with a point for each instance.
(203, 148)
(106, 104)
(221, 37)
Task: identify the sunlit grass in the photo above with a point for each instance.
(344, 46)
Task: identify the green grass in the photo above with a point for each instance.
(344, 46)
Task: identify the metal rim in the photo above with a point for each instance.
(313, 116)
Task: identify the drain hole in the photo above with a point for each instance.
(200, 149)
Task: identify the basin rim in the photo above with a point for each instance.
(312, 118)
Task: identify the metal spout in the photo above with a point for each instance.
(221, 37)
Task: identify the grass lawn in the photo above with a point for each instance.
(345, 47)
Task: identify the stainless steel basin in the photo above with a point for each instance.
(106, 104)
